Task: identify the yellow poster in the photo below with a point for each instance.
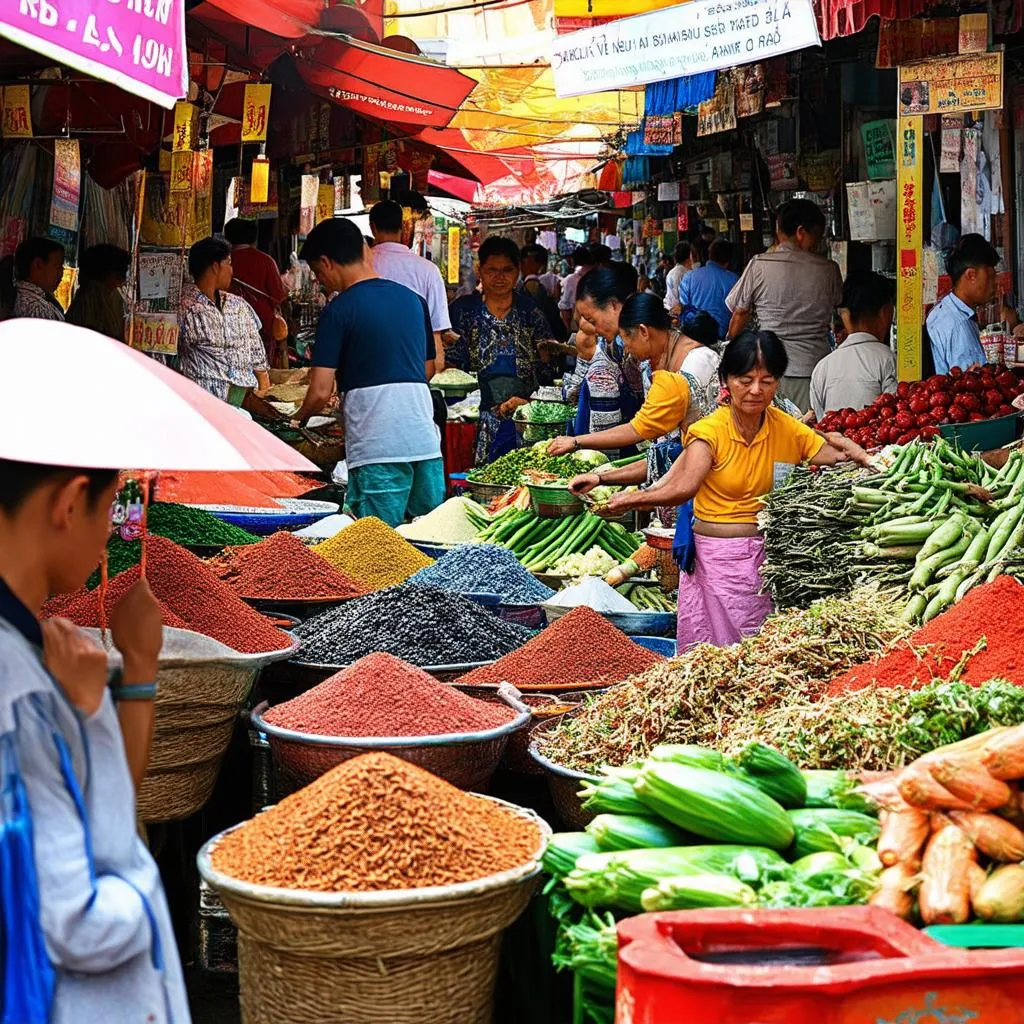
(952, 85)
(909, 291)
(184, 127)
(156, 332)
(325, 202)
(17, 123)
(260, 187)
(181, 171)
(454, 247)
(255, 113)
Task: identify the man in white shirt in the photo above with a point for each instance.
(397, 262)
(683, 256)
(863, 367)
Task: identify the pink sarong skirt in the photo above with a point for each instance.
(721, 602)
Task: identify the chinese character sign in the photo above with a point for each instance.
(909, 286)
(255, 113)
(139, 45)
(17, 123)
(325, 202)
(184, 125)
(454, 249)
(155, 332)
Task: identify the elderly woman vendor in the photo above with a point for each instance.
(732, 458)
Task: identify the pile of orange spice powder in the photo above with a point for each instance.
(377, 823)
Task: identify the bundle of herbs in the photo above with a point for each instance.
(710, 694)
(878, 729)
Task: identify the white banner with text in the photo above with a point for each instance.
(686, 39)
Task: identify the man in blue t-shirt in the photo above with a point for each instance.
(375, 337)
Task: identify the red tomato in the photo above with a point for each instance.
(977, 417)
(940, 380)
(920, 403)
(926, 420)
(957, 413)
(886, 400)
(904, 420)
(1007, 379)
(1005, 410)
(956, 372)
(907, 437)
(930, 432)
(970, 401)
(887, 412)
(941, 400)
(903, 389)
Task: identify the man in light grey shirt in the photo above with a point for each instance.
(793, 291)
(863, 367)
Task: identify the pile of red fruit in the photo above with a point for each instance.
(919, 409)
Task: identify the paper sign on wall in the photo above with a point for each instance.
(879, 138)
(17, 123)
(668, 191)
(309, 191)
(952, 85)
(325, 202)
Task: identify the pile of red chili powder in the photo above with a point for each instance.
(993, 612)
(283, 568)
(248, 489)
(381, 695)
(373, 823)
(191, 595)
(581, 647)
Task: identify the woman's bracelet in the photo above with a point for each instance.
(133, 691)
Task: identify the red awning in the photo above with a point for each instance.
(460, 188)
(388, 86)
(481, 166)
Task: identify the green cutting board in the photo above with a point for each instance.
(977, 936)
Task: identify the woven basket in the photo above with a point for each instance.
(466, 760)
(201, 687)
(423, 956)
(563, 785)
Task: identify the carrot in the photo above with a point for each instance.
(971, 748)
(894, 892)
(970, 783)
(903, 836)
(993, 836)
(1014, 810)
(882, 790)
(920, 789)
(1001, 898)
(1003, 756)
(945, 895)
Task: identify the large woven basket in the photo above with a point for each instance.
(466, 760)
(421, 956)
(201, 687)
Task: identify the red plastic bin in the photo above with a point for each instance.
(857, 965)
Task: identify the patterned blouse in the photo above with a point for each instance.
(485, 340)
(31, 301)
(219, 345)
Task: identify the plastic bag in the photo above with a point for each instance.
(28, 976)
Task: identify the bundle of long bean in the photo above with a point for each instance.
(710, 693)
(931, 525)
(539, 543)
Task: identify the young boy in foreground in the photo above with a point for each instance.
(81, 748)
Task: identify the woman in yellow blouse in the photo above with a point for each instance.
(684, 368)
(732, 458)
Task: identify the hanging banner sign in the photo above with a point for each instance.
(17, 123)
(138, 45)
(952, 85)
(67, 184)
(325, 202)
(879, 138)
(454, 249)
(686, 39)
(255, 113)
(909, 233)
(185, 123)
